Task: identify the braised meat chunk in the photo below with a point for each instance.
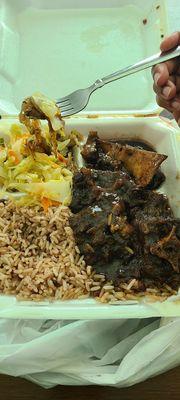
(95, 157)
(104, 234)
(90, 151)
(124, 229)
(168, 248)
(142, 165)
(89, 184)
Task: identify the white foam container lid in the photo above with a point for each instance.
(58, 46)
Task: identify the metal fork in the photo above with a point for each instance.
(77, 101)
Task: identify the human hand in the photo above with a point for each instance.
(167, 79)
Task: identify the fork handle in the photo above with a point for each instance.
(141, 65)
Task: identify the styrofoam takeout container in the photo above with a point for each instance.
(58, 46)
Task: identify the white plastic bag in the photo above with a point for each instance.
(118, 352)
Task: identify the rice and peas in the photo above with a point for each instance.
(39, 258)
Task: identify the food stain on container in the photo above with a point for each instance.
(95, 37)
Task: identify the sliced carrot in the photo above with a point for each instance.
(56, 203)
(54, 165)
(46, 203)
(12, 154)
(62, 158)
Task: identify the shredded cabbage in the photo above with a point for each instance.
(48, 108)
(57, 190)
(38, 175)
(35, 157)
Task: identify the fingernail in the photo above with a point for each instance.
(156, 77)
(175, 104)
(166, 91)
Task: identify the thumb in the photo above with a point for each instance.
(170, 41)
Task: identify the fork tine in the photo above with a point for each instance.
(64, 104)
(74, 102)
(66, 107)
(67, 113)
(62, 100)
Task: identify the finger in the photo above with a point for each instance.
(164, 103)
(174, 84)
(177, 83)
(175, 103)
(162, 71)
(158, 89)
(170, 41)
(168, 105)
(168, 91)
(176, 115)
(160, 74)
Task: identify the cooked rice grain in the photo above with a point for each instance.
(39, 259)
